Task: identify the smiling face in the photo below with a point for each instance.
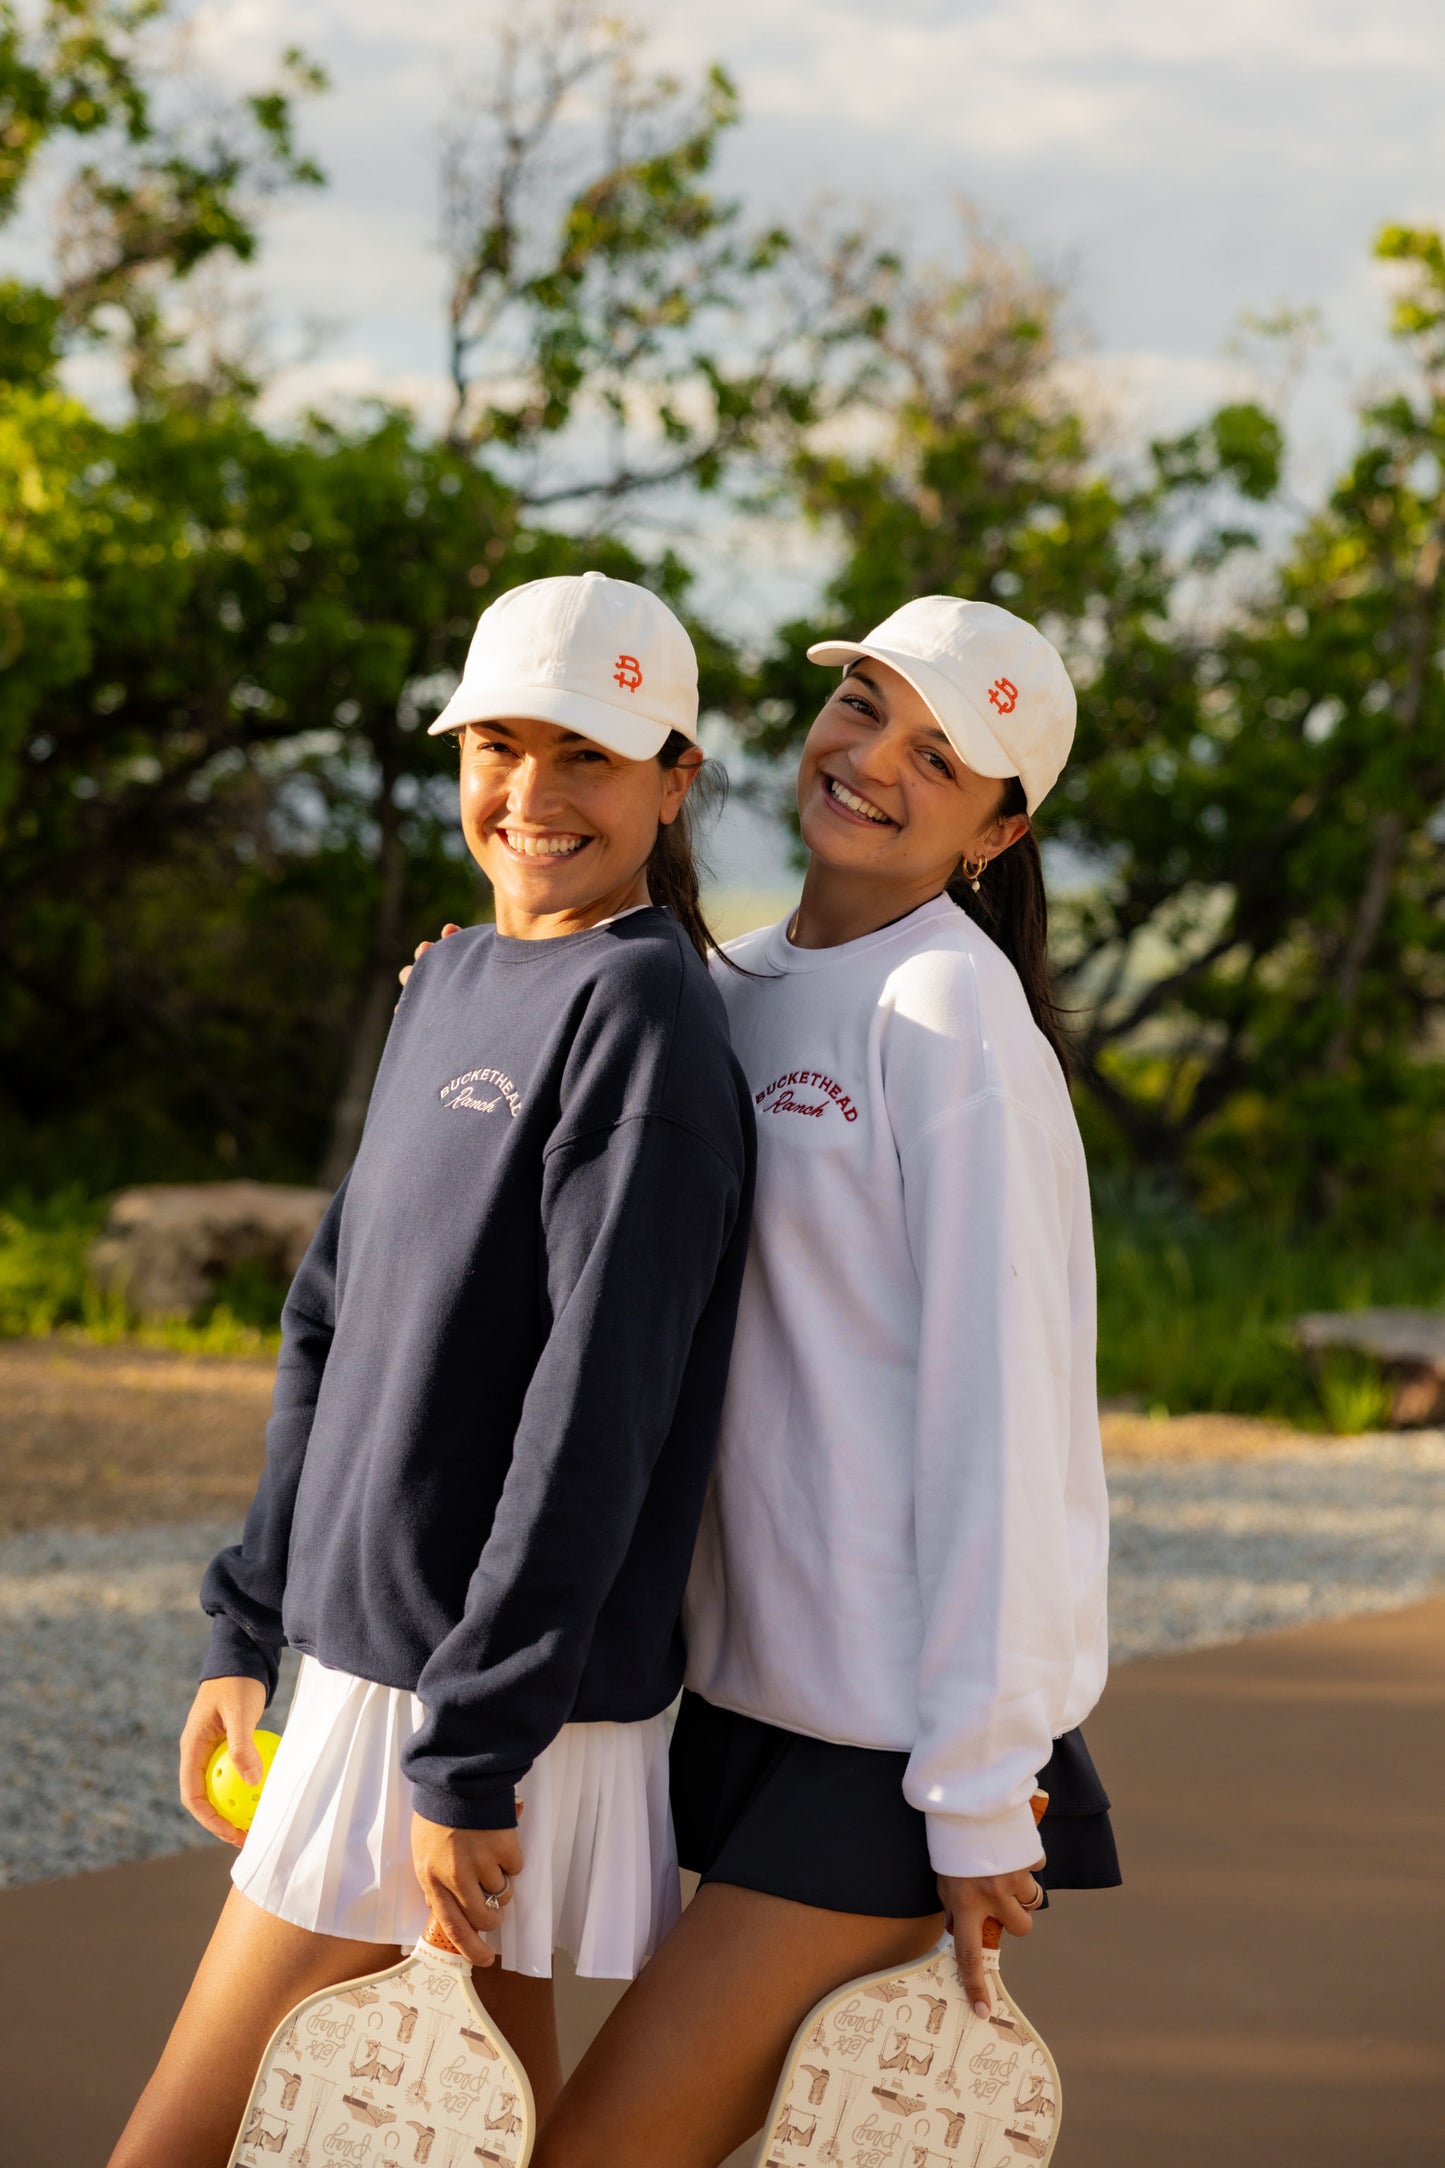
(884, 799)
(561, 827)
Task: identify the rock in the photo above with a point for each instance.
(1409, 1346)
(165, 1245)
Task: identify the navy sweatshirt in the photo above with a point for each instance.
(503, 1358)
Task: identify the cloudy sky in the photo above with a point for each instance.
(1179, 163)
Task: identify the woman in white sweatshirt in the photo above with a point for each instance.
(896, 1613)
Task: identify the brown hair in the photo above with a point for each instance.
(1011, 906)
(672, 872)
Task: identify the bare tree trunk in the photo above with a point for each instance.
(1391, 832)
(378, 995)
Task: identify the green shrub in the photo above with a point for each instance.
(1197, 1315)
(1352, 1393)
(1194, 1314)
(45, 1288)
(43, 1281)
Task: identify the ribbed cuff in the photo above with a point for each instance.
(493, 1806)
(962, 1844)
(233, 1654)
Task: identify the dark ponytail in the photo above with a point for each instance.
(672, 876)
(1013, 910)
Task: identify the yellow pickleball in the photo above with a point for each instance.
(232, 1797)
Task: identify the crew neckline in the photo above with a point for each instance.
(513, 947)
(785, 956)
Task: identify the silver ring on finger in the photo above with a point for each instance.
(492, 1898)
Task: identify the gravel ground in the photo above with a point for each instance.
(1206, 1552)
(103, 1635)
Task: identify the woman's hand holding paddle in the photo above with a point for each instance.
(466, 1877)
(969, 1901)
(228, 1709)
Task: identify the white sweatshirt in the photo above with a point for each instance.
(906, 1538)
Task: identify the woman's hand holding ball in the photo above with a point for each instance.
(225, 1713)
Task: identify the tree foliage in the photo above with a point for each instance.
(1254, 937)
(222, 822)
(158, 193)
(628, 298)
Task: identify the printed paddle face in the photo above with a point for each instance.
(404, 2066)
(895, 2071)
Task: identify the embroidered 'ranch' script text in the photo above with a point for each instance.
(782, 1097)
(458, 1095)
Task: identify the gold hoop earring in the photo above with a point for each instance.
(971, 868)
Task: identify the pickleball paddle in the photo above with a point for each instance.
(403, 2066)
(895, 2066)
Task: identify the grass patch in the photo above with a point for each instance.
(1195, 1315)
(45, 1288)
(1353, 1394)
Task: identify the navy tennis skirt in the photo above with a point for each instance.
(828, 1825)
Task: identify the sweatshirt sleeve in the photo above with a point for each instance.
(1011, 1512)
(635, 1221)
(244, 1585)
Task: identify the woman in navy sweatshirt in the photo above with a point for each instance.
(497, 1401)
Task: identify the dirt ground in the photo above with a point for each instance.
(115, 1437)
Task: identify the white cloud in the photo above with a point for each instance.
(1181, 163)
(1190, 160)
(352, 383)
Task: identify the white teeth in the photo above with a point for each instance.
(855, 804)
(542, 846)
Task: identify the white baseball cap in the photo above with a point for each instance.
(998, 689)
(599, 656)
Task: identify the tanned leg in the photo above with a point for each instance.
(685, 2068)
(255, 1968)
(524, 2011)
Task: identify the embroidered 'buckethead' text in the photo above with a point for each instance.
(781, 1097)
(458, 1096)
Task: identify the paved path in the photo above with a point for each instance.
(103, 1634)
(1263, 1993)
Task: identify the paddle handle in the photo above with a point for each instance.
(992, 1932)
(436, 1934)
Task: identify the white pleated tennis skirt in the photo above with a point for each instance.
(330, 1848)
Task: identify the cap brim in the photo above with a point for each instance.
(633, 737)
(955, 714)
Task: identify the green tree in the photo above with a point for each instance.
(158, 193)
(239, 731)
(614, 326)
(1255, 955)
(1306, 1021)
(224, 822)
(962, 469)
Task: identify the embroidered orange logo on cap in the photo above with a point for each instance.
(1003, 696)
(628, 672)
